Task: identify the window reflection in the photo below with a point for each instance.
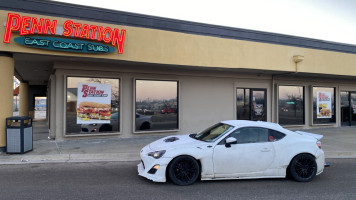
(345, 108)
(259, 105)
(291, 105)
(243, 104)
(250, 135)
(156, 105)
(73, 126)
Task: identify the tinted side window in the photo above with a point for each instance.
(275, 135)
(250, 135)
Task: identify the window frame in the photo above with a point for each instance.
(65, 83)
(134, 106)
(246, 134)
(304, 104)
(223, 141)
(312, 105)
(276, 140)
(251, 90)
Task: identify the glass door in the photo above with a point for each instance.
(353, 108)
(348, 108)
(243, 104)
(251, 104)
(258, 99)
(345, 108)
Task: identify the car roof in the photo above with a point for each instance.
(244, 123)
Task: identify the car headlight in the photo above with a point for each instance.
(157, 154)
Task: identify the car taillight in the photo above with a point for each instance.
(318, 143)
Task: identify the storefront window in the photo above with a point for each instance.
(156, 105)
(92, 105)
(291, 105)
(323, 105)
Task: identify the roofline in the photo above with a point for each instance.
(66, 10)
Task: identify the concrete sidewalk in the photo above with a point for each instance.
(337, 143)
(81, 150)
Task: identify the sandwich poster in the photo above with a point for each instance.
(93, 103)
(323, 105)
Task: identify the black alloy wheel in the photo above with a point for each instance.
(303, 168)
(183, 170)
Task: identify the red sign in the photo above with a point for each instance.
(91, 91)
(31, 25)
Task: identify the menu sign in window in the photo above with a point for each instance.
(94, 103)
(323, 105)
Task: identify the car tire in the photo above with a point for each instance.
(183, 170)
(145, 126)
(303, 168)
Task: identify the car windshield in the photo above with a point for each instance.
(213, 133)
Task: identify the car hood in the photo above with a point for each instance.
(175, 141)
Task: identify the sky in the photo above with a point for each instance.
(330, 20)
(156, 90)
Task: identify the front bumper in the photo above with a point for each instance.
(147, 163)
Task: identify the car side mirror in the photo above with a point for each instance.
(229, 141)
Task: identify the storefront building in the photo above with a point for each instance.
(114, 74)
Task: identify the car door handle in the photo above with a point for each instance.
(265, 150)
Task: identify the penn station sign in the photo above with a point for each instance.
(28, 26)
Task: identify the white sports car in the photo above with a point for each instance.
(234, 150)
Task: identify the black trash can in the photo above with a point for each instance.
(19, 134)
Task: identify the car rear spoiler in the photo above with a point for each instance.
(316, 136)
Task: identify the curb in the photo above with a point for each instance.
(340, 154)
(75, 158)
(109, 157)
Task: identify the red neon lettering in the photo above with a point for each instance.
(68, 29)
(52, 27)
(93, 29)
(85, 31)
(36, 25)
(119, 39)
(100, 33)
(105, 33)
(25, 25)
(31, 25)
(77, 27)
(10, 26)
